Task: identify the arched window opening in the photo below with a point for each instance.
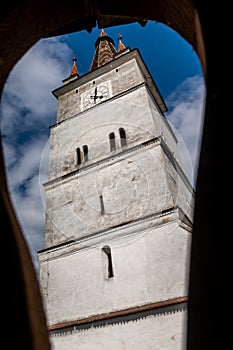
(108, 265)
(78, 154)
(112, 141)
(122, 136)
(85, 153)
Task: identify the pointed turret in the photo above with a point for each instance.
(121, 46)
(74, 69)
(73, 73)
(104, 52)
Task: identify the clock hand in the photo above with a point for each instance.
(95, 95)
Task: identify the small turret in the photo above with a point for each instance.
(121, 46)
(74, 69)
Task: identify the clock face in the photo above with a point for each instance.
(96, 95)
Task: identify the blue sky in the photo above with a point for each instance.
(28, 107)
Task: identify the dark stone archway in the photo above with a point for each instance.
(22, 24)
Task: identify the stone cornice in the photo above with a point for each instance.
(72, 246)
(119, 60)
(119, 316)
(103, 161)
(154, 141)
(115, 97)
(106, 231)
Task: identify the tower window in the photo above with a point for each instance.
(85, 153)
(108, 266)
(101, 204)
(122, 136)
(112, 141)
(78, 153)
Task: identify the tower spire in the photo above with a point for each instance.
(104, 52)
(74, 69)
(121, 46)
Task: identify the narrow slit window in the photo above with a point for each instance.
(112, 141)
(122, 136)
(85, 153)
(78, 154)
(108, 265)
(101, 204)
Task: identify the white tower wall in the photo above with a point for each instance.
(114, 271)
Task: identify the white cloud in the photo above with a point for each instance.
(26, 179)
(28, 108)
(28, 162)
(30, 212)
(27, 100)
(186, 107)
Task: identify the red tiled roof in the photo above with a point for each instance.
(74, 69)
(121, 46)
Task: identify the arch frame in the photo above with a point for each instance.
(199, 24)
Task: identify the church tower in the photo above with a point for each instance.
(119, 208)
